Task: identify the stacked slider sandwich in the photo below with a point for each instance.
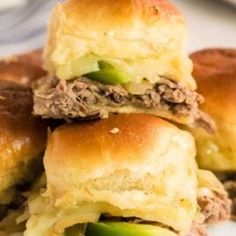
(118, 57)
(127, 174)
(215, 71)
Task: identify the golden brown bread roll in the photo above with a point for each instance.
(215, 72)
(214, 60)
(22, 136)
(126, 165)
(22, 142)
(145, 38)
(24, 69)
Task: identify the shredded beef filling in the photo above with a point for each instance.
(84, 98)
(215, 208)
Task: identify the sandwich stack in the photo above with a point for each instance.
(117, 71)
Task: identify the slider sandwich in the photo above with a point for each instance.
(22, 141)
(119, 56)
(127, 175)
(215, 72)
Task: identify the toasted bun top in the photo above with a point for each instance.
(23, 69)
(129, 34)
(214, 60)
(118, 13)
(215, 73)
(121, 140)
(22, 136)
(126, 165)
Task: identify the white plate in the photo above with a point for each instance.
(226, 229)
(211, 23)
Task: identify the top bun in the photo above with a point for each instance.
(215, 72)
(24, 69)
(126, 165)
(22, 136)
(146, 38)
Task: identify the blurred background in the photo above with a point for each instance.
(23, 23)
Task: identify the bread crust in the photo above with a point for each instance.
(215, 73)
(23, 69)
(133, 32)
(125, 165)
(118, 140)
(22, 136)
(118, 13)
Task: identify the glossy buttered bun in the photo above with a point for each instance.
(215, 72)
(144, 38)
(127, 165)
(22, 137)
(22, 69)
